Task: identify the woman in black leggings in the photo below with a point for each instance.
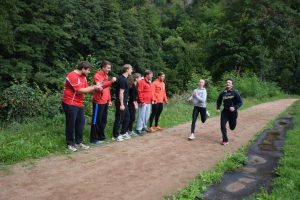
(199, 101)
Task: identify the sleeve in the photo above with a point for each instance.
(122, 84)
(140, 91)
(201, 97)
(165, 97)
(106, 84)
(238, 100)
(219, 101)
(153, 86)
(74, 82)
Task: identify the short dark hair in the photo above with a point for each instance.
(160, 74)
(84, 64)
(104, 63)
(229, 79)
(147, 72)
(126, 67)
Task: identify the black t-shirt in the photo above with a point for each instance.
(132, 94)
(121, 83)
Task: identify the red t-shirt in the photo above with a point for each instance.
(102, 97)
(73, 83)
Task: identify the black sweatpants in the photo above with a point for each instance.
(74, 121)
(132, 112)
(155, 113)
(99, 121)
(228, 116)
(121, 119)
(196, 112)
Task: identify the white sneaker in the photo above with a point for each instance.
(192, 136)
(82, 146)
(126, 136)
(120, 138)
(207, 114)
(132, 133)
(72, 148)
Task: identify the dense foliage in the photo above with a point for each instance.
(40, 41)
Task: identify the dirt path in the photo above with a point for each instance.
(144, 168)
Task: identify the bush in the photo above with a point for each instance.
(18, 102)
(249, 85)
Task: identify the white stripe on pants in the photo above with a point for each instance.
(143, 117)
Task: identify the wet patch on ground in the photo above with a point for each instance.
(258, 172)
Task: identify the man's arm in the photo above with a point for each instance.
(121, 97)
(219, 101)
(238, 101)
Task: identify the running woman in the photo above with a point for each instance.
(132, 103)
(159, 98)
(199, 101)
(232, 101)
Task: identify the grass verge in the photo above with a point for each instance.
(287, 183)
(39, 137)
(236, 160)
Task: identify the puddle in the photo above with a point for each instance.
(258, 172)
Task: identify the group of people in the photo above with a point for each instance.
(133, 93)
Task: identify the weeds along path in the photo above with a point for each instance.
(144, 168)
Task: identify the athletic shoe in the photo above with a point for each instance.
(192, 136)
(82, 146)
(207, 114)
(72, 148)
(132, 133)
(158, 128)
(152, 130)
(96, 142)
(126, 136)
(146, 130)
(139, 132)
(120, 138)
(224, 143)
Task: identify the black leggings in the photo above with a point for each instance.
(228, 116)
(196, 112)
(132, 112)
(156, 111)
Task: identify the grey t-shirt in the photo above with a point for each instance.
(199, 99)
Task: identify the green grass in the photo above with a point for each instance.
(287, 185)
(232, 162)
(39, 137)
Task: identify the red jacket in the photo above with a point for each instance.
(74, 82)
(145, 94)
(159, 91)
(102, 97)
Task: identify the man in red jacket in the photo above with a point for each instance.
(145, 98)
(101, 101)
(72, 101)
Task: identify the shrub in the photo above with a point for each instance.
(18, 102)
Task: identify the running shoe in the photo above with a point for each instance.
(158, 128)
(192, 136)
(126, 136)
(82, 146)
(224, 143)
(120, 138)
(72, 148)
(152, 129)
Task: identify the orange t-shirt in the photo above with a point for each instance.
(159, 91)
